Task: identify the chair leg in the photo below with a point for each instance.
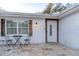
(27, 43)
(9, 43)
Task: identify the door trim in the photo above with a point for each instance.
(57, 31)
(48, 19)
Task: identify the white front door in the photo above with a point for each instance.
(51, 31)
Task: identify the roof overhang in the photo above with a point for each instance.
(31, 15)
(71, 10)
(67, 12)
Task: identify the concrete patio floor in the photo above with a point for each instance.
(51, 49)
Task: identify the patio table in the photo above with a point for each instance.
(17, 38)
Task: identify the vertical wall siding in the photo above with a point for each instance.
(38, 34)
(69, 31)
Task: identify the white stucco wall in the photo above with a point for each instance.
(38, 35)
(69, 31)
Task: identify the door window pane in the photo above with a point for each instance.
(50, 30)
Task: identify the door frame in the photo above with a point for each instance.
(48, 19)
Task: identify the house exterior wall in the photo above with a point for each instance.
(38, 35)
(38, 32)
(69, 31)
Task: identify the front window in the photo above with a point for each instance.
(23, 27)
(11, 27)
(17, 27)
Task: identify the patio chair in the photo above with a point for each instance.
(2, 42)
(8, 41)
(27, 41)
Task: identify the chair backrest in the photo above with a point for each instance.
(7, 37)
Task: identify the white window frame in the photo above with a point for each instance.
(17, 27)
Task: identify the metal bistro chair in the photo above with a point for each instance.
(27, 41)
(2, 42)
(8, 41)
